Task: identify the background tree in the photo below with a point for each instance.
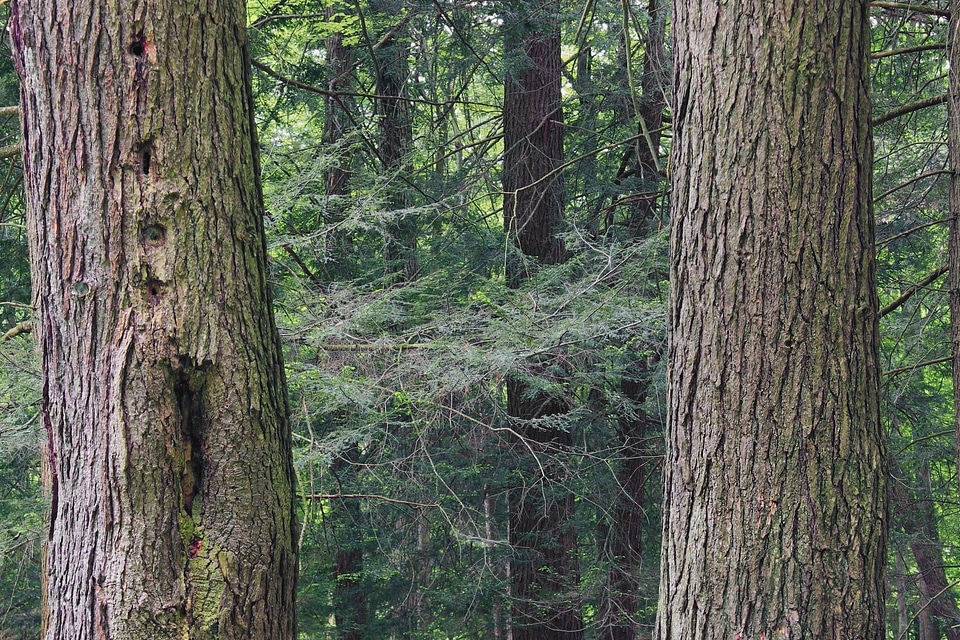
(774, 486)
(544, 573)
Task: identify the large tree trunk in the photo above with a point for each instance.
(953, 151)
(775, 493)
(544, 568)
(163, 390)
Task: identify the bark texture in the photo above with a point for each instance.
(544, 570)
(533, 136)
(775, 494)
(953, 151)
(163, 389)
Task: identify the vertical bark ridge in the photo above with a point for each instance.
(953, 244)
(163, 383)
(775, 470)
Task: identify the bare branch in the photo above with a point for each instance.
(910, 108)
(919, 365)
(18, 329)
(897, 52)
(909, 293)
(913, 8)
(361, 496)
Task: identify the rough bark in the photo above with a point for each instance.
(953, 151)
(163, 391)
(533, 138)
(775, 494)
(544, 571)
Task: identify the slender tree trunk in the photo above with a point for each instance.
(163, 392)
(775, 494)
(903, 618)
(620, 602)
(336, 123)
(544, 571)
(918, 519)
(396, 141)
(651, 107)
(349, 597)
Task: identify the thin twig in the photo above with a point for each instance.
(363, 496)
(919, 365)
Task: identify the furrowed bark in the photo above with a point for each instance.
(163, 387)
(775, 493)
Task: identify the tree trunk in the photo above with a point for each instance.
(918, 519)
(336, 121)
(652, 104)
(163, 388)
(544, 571)
(396, 141)
(533, 138)
(775, 494)
(346, 533)
(620, 602)
(953, 152)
